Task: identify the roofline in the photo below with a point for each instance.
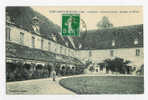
(110, 48)
(118, 27)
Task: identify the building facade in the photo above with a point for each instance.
(135, 55)
(21, 43)
(43, 50)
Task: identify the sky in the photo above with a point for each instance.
(118, 15)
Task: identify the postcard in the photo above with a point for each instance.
(74, 50)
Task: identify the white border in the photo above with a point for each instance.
(5, 3)
(71, 2)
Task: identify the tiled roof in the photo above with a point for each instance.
(124, 37)
(94, 39)
(22, 18)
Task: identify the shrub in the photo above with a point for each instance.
(63, 71)
(92, 69)
(57, 69)
(117, 65)
(141, 70)
(19, 71)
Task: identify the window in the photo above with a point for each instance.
(96, 70)
(21, 38)
(49, 45)
(136, 41)
(42, 43)
(36, 28)
(72, 53)
(33, 42)
(137, 52)
(55, 49)
(113, 43)
(68, 52)
(65, 52)
(61, 49)
(90, 53)
(112, 53)
(8, 34)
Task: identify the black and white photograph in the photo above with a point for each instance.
(74, 50)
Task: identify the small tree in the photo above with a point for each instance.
(117, 65)
(104, 23)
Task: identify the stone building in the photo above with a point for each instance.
(123, 42)
(29, 46)
(33, 47)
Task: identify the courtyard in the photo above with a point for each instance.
(105, 84)
(79, 84)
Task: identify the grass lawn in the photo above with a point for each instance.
(104, 84)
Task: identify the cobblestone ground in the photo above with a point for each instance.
(39, 86)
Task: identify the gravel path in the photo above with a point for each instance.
(38, 86)
(43, 86)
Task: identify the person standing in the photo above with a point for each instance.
(54, 75)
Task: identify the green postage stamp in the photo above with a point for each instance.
(70, 24)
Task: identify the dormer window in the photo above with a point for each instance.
(54, 37)
(80, 46)
(66, 43)
(136, 41)
(113, 43)
(36, 29)
(35, 25)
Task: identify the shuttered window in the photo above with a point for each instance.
(22, 38)
(137, 52)
(42, 44)
(33, 42)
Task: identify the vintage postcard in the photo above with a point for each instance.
(74, 50)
